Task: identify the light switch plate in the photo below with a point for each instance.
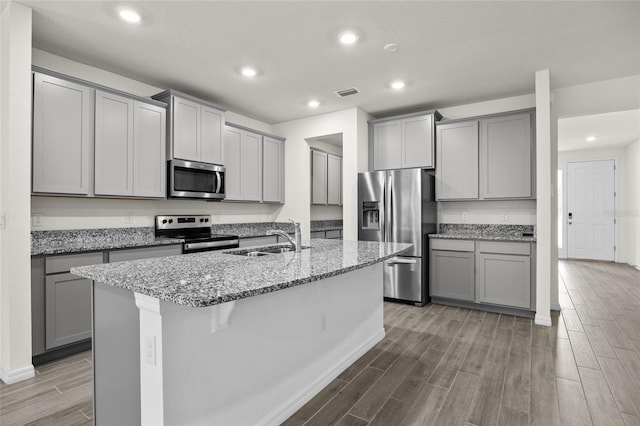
(3, 220)
(505, 216)
(36, 220)
(465, 216)
(128, 218)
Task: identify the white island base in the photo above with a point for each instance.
(251, 361)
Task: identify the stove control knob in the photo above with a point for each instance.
(170, 220)
(206, 220)
(164, 221)
(201, 220)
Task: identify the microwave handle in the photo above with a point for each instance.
(219, 178)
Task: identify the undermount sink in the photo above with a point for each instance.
(257, 251)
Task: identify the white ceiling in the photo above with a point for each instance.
(611, 130)
(450, 53)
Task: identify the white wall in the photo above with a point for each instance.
(519, 212)
(631, 211)
(73, 213)
(15, 166)
(298, 164)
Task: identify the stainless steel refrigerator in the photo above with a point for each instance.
(399, 206)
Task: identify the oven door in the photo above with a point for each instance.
(190, 179)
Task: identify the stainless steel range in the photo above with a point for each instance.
(196, 232)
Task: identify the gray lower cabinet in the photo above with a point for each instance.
(67, 299)
(62, 135)
(486, 272)
(504, 274)
(452, 274)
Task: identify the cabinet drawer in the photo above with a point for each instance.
(333, 234)
(56, 264)
(318, 234)
(144, 253)
(504, 248)
(452, 245)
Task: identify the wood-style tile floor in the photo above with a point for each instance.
(443, 365)
(451, 366)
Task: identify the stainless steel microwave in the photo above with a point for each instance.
(191, 179)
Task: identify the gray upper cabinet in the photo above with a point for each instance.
(149, 148)
(404, 142)
(243, 163)
(318, 177)
(195, 128)
(272, 170)
(486, 158)
(326, 178)
(113, 145)
(252, 167)
(211, 135)
(62, 135)
(457, 150)
(506, 157)
(387, 139)
(129, 147)
(334, 180)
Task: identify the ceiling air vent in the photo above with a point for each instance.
(347, 92)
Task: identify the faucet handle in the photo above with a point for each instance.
(294, 222)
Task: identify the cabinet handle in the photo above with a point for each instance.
(398, 261)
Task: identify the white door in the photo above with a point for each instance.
(591, 210)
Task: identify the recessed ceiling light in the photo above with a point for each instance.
(248, 72)
(130, 16)
(390, 47)
(590, 138)
(397, 85)
(313, 103)
(348, 38)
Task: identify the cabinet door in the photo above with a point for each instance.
(68, 309)
(318, 177)
(186, 129)
(505, 157)
(457, 152)
(251, 167)
(272, 170)
(38, 320)
(233, 163)
(62, 135)
(113, 145)
(211, 135)
(387, 142)
(452, 275)
(417, 144)
(504, 279)
(334, 180)
(149, 139)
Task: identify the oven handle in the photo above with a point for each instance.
(211, 245)
(219, 182)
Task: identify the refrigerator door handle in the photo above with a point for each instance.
(400, 261)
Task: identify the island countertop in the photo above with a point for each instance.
(210, 278)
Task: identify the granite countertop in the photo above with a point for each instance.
(487, 232)
(325, 225)
(85, 240)
(210, 278)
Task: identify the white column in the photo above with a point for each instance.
(15, 192)
(545, 197)
(151, 375)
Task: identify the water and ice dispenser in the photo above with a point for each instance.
(371, 215)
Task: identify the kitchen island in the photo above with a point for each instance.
(220, 338)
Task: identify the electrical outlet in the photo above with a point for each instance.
(36, 220)
(3, 220)
(505, 216)
(465, 216)
(150, 349)
(128, 218)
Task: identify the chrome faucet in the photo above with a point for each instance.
(297, 244)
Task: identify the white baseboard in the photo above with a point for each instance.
(282, 413)
(17, 375)
(555, 307)
(542, 320)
